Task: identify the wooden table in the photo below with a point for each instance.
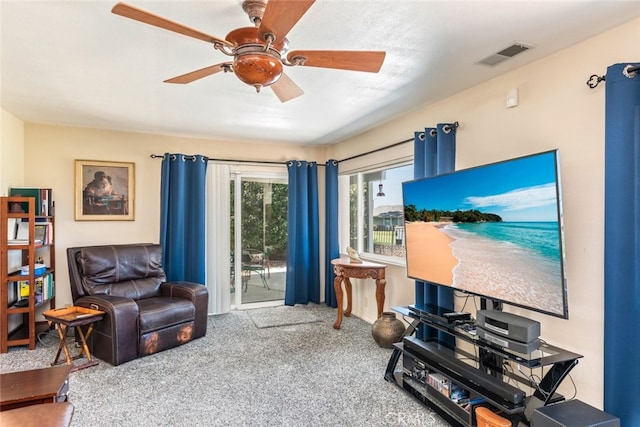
(24, 388)
(345, 270)
(57, 414)
(76, 317)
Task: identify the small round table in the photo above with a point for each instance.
(344, 269)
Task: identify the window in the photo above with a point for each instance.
(376, 217)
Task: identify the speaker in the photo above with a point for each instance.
(572, 413)
(517, 346)
(508, 325)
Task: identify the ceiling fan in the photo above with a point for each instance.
(261, 52)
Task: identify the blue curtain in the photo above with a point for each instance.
(303, 242)
(434, 153)
(182, 216)
(622, 244)
(331, 247)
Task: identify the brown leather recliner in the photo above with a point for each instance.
(144, 314)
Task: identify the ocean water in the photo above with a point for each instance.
(518, 262)
(539, 237)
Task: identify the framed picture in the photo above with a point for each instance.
(104, 191)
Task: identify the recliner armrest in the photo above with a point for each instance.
(196, 293)
(114, 306)
(113, 340)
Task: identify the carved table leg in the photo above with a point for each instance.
(347, 287)
(338, 289)
(380, 284)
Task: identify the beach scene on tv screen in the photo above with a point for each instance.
(493, 230)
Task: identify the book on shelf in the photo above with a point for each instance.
(12, 228)
(22, 232)
(20, 242)
(39, 285)
(24, 288)
(43, 233)
(47, 288)
(43, 199)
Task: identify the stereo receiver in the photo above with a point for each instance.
(508, 325)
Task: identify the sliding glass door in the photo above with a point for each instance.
(258, 239)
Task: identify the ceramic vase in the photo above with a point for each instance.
(387, 329)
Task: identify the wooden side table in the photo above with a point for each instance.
(76, 317)
(24, 388)
(344, 270)
(45, 414)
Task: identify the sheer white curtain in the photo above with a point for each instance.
(218, 229)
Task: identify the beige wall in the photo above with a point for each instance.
(556, 110)
(51, 150)
(11, 152)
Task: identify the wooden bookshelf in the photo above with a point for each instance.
(18, 311)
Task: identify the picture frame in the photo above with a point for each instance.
(104, 190)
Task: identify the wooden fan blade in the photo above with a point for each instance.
(281, 15)
(198, 74)
(369, 61)
(285, 89)
(158, 21)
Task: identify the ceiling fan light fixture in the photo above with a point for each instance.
(256, 67)
(260, 52)
(256, 63)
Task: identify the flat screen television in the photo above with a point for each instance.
(494, 231)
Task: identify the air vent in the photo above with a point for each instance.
(505, 54)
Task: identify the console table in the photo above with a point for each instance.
(418, 367)
(344, 270)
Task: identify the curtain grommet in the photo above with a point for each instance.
(630, 71)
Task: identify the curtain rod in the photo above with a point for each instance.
(446, 128)
(160, 156)
(628, 71)
(209, 159)
(376, 150)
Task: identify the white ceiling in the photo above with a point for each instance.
(75, 63)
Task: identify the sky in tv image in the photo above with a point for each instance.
(516, 260)
(517, 190)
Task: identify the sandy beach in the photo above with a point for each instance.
(429, 254)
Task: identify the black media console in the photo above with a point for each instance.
(455, 381)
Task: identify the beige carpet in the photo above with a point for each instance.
(238, 375)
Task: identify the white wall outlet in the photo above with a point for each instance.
(512, 98)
